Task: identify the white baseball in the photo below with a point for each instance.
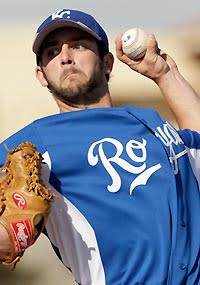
(134, 43)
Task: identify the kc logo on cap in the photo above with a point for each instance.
(60, 14)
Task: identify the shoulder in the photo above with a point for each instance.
(190, 138)
(28, 133)
(141, 110)
(145, 114)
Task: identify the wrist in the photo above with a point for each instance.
(170, 76)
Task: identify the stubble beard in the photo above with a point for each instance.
(78, 93)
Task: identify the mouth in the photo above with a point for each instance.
(70, 74)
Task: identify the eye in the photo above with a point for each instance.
(52, 52)
(78, 46)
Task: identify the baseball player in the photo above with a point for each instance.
(127, 207)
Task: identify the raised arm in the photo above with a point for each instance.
(157, 65)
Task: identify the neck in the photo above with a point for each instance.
(104, 102)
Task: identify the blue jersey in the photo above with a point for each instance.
(126, 208)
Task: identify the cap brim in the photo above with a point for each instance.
(56, 25)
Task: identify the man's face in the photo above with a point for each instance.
(72, 67)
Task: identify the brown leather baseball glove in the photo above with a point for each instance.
(24, 200)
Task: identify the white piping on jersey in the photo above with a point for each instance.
(194, 157)
(72, 234)
(178, 155)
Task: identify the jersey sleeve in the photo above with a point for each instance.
(191, 140)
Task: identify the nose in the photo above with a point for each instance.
(66, 55)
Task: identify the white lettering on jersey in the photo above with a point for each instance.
(59, 14)
(143, 173)
(169, 137)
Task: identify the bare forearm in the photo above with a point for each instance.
(5, 245)
(181, 98)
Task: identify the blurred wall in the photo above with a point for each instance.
(23, 100)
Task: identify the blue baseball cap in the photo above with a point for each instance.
(70, 18)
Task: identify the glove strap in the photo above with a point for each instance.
(21, 237)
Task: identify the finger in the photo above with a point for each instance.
(118, 41)
(152, 44)
(118, 46)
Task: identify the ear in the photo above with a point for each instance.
(108, 62)
(40, 76)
